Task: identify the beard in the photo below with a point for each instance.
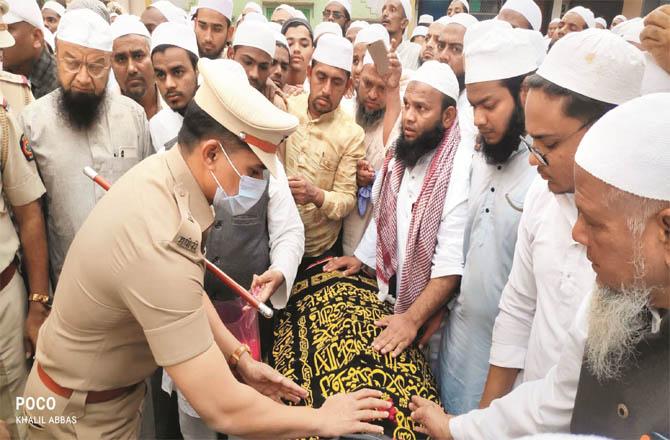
(368, 118)
(501, 151)
(80, 110)
(619, 319)
(409, 152)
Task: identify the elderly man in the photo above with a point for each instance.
(338, 11)
(174, 54)
(396, 16)
(499, 179)
(619, 339)
(524, 14)
(550, 273)
(131, 63)
(213, 27)
(576, 19)
(51, 13)
(321, 156)
(79, 125)
(377, 111)
(415, 242)
(30, 55)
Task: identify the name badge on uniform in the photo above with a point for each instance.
(128, 152)
(187, 243)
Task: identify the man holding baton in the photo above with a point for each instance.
(130, 296)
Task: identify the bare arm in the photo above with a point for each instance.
(499, 382)
(393, 103)
(33, 236)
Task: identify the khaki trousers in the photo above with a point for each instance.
(12, 354)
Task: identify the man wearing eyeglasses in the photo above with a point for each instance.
(551, 273)
(338, 11)
(80, 125)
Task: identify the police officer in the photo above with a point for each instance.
(130, 296)
(21, 187)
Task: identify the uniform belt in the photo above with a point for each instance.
(91, 397)
(7, 274)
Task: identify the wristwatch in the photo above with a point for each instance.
(38, 297)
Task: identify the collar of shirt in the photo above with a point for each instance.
(198, 204)
(43, 78)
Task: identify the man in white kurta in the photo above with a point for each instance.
(115, 140)
(551, 273)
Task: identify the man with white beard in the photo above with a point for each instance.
(621, 328)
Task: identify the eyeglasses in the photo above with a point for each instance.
(542, 158)
(335, 14)
(95, 70)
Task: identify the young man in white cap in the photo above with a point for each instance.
(30, 55)
(300, 39)
(497, 59)
(213, 27)
(576, 19)
(525, 14)
(79, 125)
(449, 49)
(52, 11)
(131, 63)
(174, 54)
(620, 332)
(321, 156)
(415, 243)
(374, 95)
(396, 16)
(280, 61)
(550, 273)
(254, 47)
(338, 11)
(149, 266)
(458, 7)
(617, 20)
(21, 191)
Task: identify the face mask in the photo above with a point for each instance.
(249, 193)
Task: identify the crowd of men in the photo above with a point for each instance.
(508, 190)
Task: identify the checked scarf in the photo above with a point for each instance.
(424, 225)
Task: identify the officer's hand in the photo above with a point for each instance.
(37, 313)
(655, 37)
(267, 284)
(4, 432)
(365, 174)
(430, 418)
(268, 381)
(344, 414)
(346, 265)
(399, 333)
(304, 191)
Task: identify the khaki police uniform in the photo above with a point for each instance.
(16, 90)
(20, 184)
(129, 297)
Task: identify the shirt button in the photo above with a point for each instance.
(182, 193)
(217, 225)
(487, 210)
(500, 167)
(622, 411)
(493, 190)
(216, 260)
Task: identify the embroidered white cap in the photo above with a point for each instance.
(128, 25)
(419, 31)
(171, 12)
(327, 27)
(226, 95)
(24, 10)
(528, 8)
(493, 50)
(255, 34)
(345, 3)
(372, 33)
(175, 34)
(426, 19)
(585, 13)
(334, 51)
(54, 6)
(280, 39)
(85, 28)
(601, 21)
(252, 6)
(597, 64)
(223, 7)
(439, 76)
(465, 20)
(629, 147)
(358, 24)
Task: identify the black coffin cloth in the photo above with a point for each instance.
(323, 342)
